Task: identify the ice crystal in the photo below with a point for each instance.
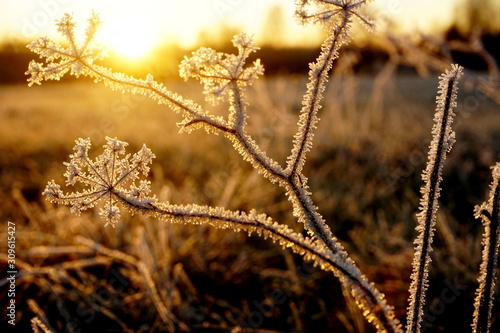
(443, 139)
(104, 177)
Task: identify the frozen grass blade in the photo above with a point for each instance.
(441, 144)
(489, 212)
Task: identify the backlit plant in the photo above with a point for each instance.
(113, 178)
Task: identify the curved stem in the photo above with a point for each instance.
(370, 299)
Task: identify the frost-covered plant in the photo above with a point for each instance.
(113, 177)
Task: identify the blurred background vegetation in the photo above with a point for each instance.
(370, 148)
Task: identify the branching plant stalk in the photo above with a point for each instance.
(113, 176)
(220, 73)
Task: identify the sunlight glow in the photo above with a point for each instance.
(132, 30)
(132, 40)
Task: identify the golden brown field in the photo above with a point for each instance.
(146, 275)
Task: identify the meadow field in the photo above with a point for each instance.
(146, 275)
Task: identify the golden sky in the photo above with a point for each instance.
(134, 27)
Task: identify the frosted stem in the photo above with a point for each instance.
(237, 114)
(490, 214)
(369, 299)
(157, 92)
(318, 77)
(441, 144)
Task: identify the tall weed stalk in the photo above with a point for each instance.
(441, 144)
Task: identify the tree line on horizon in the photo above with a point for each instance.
(470, 18)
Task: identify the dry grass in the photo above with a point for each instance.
(147, 276)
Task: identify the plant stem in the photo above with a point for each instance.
(441, 144)
(491, 241)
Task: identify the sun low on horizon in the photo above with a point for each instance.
(130, 41)
(134, 32)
